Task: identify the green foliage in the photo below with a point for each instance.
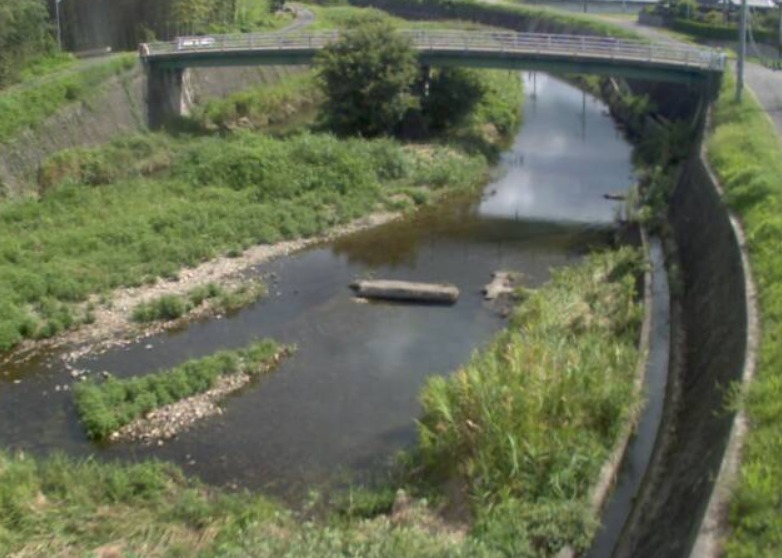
(720, 32)
(66, 508)
(746, 153)
(209, 195)
(453, 95)
(260, 108)
(533, 417)
(105, 407)
(518, 17)
(171, 306)
(367, 77)
(686, 9)
(29, 104)
(25, 36)
(166, 307)
(123, 157)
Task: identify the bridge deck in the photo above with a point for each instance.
(440, 45)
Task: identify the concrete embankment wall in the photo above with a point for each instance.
(712, 349)
(710, 315)
(118, 107)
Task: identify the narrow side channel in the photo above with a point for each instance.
(637, 456)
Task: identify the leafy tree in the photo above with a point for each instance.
(367, 77)
(25, 34)
(453, 94)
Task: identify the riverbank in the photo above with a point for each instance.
(113, 324)
(746, 154)
(152, 508)
(112, 220)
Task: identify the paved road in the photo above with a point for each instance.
(764, 82)
(304, 18)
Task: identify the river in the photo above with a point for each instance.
(346, 402)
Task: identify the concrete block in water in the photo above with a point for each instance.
(439, 293)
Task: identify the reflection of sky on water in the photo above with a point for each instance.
(564, 162)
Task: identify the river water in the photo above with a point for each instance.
(347, 400)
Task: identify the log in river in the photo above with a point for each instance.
(438, 293)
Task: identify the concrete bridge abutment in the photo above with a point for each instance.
(169, 95)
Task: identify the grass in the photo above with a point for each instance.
(341, 17)
(216, 196)
(29, 104)
(62, 507)
(256, 15)
(260, 108)
(59, 507)
(147, 205)
(746, 153)
(108, 406)
(171, 306)
(528, 423)
(508, 16)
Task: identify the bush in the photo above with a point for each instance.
(367, 77)
(534, 416)
(454, 93)
(106, 407)
(167, 307)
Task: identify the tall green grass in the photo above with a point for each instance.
(106, 407)
(28, 105)
(173, 306)
(102, 226)
(746, 153)
(261, 108)
(59, 507)
(528, 423)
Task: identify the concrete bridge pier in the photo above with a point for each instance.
(169, 95)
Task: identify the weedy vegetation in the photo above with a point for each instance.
(172, 306)
(746, 153)
(29, 104)
(147, 205)
(528, 423)
(105, 407)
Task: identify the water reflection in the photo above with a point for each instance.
(563, 162)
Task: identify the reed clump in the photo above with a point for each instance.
(528, 423)
(105, 407)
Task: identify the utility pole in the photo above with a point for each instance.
(59, 27)
(742, 51)
(779, 46)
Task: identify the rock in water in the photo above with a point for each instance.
(501, 284)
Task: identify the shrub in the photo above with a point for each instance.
(106, 407)
(534, 416)
(366, 77)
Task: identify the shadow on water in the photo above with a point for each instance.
(347, 400)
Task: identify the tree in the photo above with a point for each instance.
(367, 77)
(25, 34)
(452, 96)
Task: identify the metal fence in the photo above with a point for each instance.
(541, 44)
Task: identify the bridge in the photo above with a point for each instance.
(637, 59)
